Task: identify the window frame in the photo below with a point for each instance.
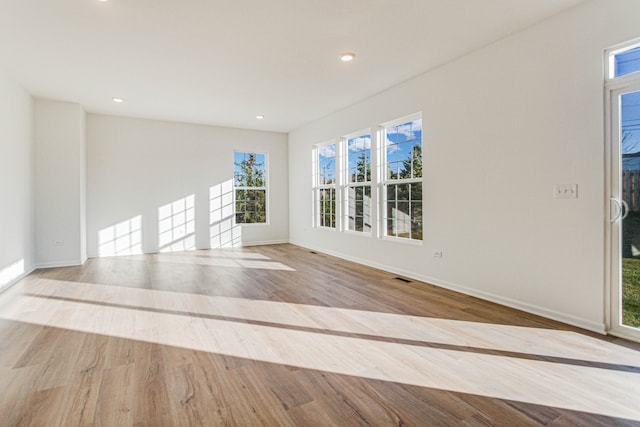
(384, 181)
(264, 188)
(319, 187)
(610, 68)
(614, 86)
(348, 184)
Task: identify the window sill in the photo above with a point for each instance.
(252, 224)
(325, 229)
(357, 233)
(403, 241)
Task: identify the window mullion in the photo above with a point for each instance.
(401, 158)
(250, 202)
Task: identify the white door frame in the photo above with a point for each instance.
(613, 167)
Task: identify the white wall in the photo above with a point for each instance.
(60, 177)
(501, 127)
(16, 182)
(135, 167)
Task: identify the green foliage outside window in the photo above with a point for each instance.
(359, 187)
(250, 188)
(326, 193)
(327, 207)
(404, 186)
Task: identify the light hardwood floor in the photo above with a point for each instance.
(280, 336)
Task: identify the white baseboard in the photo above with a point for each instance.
(265, 242)
(57, 264)
(17, 279)
(519, 305)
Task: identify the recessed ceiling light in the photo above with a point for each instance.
(115, 98)
(259, 117)
(347, 56)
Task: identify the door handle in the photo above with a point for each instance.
(626, 210)
(619, 214)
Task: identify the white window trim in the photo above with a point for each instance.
(402, 240)
(610, 62)
(383, 180)
(266, 188)
(345, 184)
(317, 186)
(613, 86)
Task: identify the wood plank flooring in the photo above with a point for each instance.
(280, 336)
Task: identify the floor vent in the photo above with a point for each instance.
(402, 279)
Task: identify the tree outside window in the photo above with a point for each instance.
(325, 186)
(358, 188)
(403, 179)
(250, 185)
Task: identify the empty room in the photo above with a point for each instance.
(319, 213)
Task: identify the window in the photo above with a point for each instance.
(624, 61)
(358, 183)
(325, 186)
(250, 188)
(622, 118)
(402, 178)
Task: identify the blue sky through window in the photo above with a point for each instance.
(358, 146)
(400, 142)
(627, 62)
(327, 163)
(630, 125)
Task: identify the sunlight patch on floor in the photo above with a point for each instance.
(223, 325)
(225, 262)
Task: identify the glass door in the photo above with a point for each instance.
(625, 211)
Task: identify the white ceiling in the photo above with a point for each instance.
(221, 62)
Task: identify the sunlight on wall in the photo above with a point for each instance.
(445, 354)
(11, 272)
(176, 225)
(223, 232)
(123, 238)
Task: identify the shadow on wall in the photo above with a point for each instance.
(123, 238)
(176, 226)
(224, 233)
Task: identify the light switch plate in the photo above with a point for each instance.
(565, 191)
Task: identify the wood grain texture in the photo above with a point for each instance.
(279, 336)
